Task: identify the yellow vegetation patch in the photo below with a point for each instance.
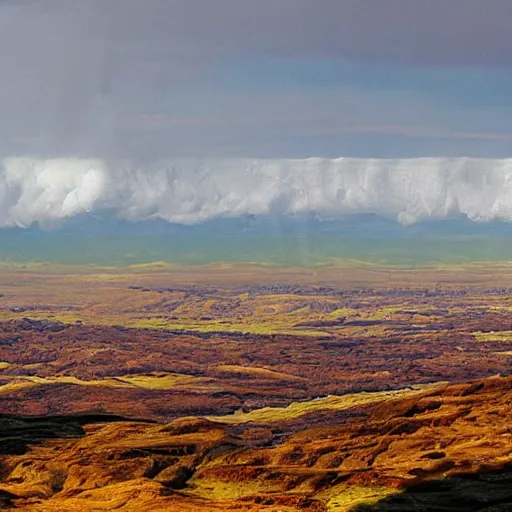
(14, 385)
(344, 499)
(262, 372)
(220, 490)
(493, 336)
(4, 365)
(340, 312)
(246, 326)
(162, 381)
(64, 379)
(297, 409)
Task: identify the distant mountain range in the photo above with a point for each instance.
(351, 226)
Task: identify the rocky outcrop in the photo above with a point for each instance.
(447, 447)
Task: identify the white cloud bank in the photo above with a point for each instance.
(190, 191)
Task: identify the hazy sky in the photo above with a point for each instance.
(267, 78)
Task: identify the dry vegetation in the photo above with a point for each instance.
(322, 395)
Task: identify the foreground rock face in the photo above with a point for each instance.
(447, 448)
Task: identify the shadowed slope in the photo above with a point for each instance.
(480, 492)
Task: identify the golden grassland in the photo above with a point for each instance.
(258, 372)
(222, 490)
(345, 497)
(163, 381)
(106, 299)
(493, 336)
(103, 296)
(295, 410)
(166, 381)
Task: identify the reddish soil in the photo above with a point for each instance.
(305, 367)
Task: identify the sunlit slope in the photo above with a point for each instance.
(447, 448)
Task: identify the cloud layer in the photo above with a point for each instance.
(161, 78)
(191, 191)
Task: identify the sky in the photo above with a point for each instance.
(149, 79)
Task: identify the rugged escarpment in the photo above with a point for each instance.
(445, 448)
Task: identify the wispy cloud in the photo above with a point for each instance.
(415, 131)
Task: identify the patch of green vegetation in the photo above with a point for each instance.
(384, 313)
(337, 313)
(218, 325)
(269, 325)
(64, 317)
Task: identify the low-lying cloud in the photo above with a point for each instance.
(191, 191)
